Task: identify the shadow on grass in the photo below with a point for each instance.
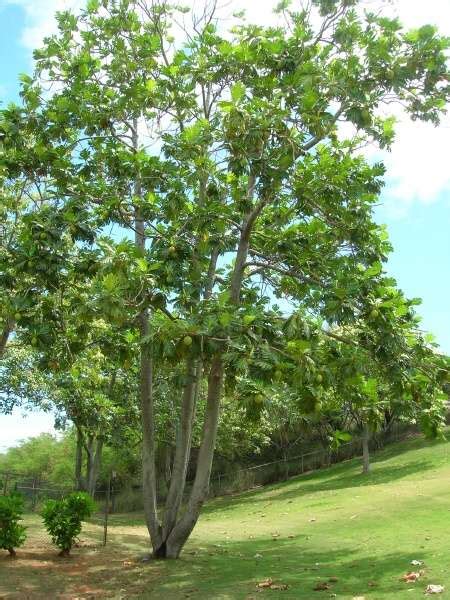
(90, 572)
(234, 572)
(228, 571)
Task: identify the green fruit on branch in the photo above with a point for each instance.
(277, 375)
(187, 340)
(374, 314)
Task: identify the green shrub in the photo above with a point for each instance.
(12, 534)
(63, 518)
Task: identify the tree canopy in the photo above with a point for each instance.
(201, 211)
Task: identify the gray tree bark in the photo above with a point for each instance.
(182, 449)
(365, 449)
(94, 459)
(149, 475)
(175, 538)
(79, 483)
(4, 336)
(183, 528)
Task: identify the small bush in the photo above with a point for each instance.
(12, 534)
(63, 518)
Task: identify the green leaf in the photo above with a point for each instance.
(374, 270)
(238, 91)
(92, 5)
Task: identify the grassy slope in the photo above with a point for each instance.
(362, 530)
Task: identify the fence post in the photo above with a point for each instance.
(33, 495)
(105, 526)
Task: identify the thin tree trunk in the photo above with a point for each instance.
(176, 532)
(191, 393)
(167, 463)
(149, 475)
(4, 336)
(79, 484)
(194, 372)
(183, 448)
(94, 458)
(176, 539)
(89, 460)
(186, 524)
(365, 448)
(95, 462)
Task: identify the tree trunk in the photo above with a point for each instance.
(12, 552)
(4, 336)
(180, 533)
(148, 441)
(167, 463)
(79, 483)
(365, 449)
(174, 538)
(149, 475)
(182, 449)
(94, 458)
(176, 530)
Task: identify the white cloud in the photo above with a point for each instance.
(417, 166)
(39, 18)
(417, 169)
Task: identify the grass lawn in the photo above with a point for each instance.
(358, 534)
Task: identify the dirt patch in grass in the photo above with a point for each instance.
(92, 571)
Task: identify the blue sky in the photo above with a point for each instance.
(416, 200)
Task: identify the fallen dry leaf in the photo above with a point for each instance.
(434, 589)
(269, 584)
(411, 576)
(265, 584)
(279, 586)
(417, 563)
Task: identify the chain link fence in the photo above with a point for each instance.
(113, 498)
(33, 488)
(129, 498)
(292, 466)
